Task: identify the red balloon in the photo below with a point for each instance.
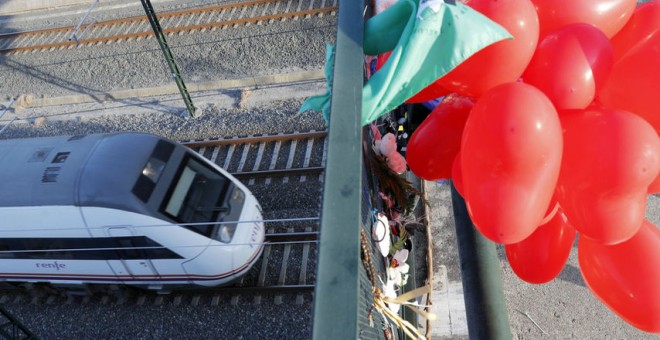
(654, 188)
(510, 155)
(610, 158)
(503, 61)
(541, 257)
(435, 143)
(381, 59)
(608, 15)
(570, 65)
(431, 92)
(553, 208)
(633, 82)
(457, 174)
(626, 276)
(644, 23)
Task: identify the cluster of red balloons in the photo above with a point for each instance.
(554, 133)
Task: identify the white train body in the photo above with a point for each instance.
(127, 208)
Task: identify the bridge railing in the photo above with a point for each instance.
(337, 294)
(343, 299)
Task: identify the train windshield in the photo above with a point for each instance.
(197, 196)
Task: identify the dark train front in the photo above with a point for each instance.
(126, 208)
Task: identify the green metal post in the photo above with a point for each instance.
(158, 32)
(336, 294)
(485, 307)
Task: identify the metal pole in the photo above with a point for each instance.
(6, 126)
(485, 307)
(75, 30)
(158, 32)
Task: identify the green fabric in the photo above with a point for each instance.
(383, 31)
(428, 41)
(322, 102)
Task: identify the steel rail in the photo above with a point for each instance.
(279, 172)
(255, 139)
(293, 236)
(149, 33)
(142, 18)
(264, 289)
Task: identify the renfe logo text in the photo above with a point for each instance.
(51, 265)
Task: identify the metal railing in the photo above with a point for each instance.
(343, 294)
(337, 288)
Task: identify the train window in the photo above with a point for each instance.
(152, 170)
(196, 196)
(143, 188)
(128, 250)
(60, 157)
(163, 150)
(6, 251)
(101, 248)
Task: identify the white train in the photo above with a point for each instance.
(125, 208)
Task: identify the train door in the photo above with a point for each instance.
(132, 263)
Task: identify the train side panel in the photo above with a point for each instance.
(36, 246)
(161, 259)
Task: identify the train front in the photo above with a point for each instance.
(214, 204)
(205, 227)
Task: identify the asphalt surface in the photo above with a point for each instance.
(561, 309)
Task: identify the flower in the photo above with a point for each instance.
(397, 272)
(388, 145)
(390, 291)
(395, 160)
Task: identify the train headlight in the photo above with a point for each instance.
(227, 232)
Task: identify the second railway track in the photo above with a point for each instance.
(284, 156)
(177, 22)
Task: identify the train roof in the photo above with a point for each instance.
(85, 170)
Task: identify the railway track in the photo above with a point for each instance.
(199, 20)
(285, 273)
(286, 268)
(268, 157)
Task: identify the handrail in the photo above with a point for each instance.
(336, 295)
(485, 306)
